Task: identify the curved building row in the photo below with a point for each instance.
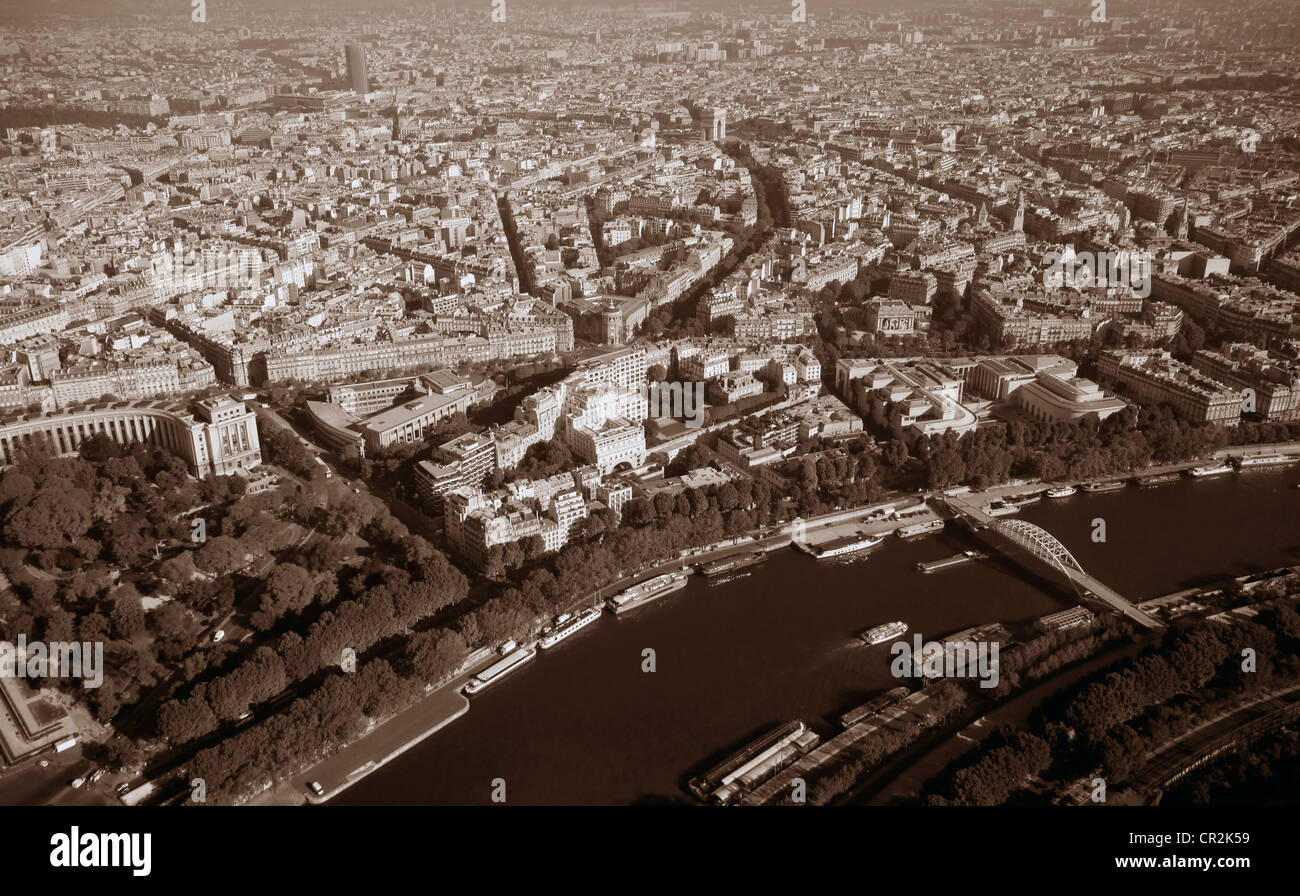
(214, 435)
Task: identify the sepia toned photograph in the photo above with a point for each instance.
(418, 404)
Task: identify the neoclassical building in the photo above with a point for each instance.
(214, 435)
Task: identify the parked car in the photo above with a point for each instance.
(316, 788)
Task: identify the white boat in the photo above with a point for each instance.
(1212, 471)
(847, 545)
(1062, 491)
(882, 633)
(1267, 460)
(569, 626)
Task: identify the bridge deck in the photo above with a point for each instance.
(963, 506)
(1110, 596)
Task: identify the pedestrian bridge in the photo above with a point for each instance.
(1047, 549)
(1039, 542)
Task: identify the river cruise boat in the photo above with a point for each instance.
(884, 633)
(564, 628)
(841, 546)
(1267, 460)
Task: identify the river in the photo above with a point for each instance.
(583, 724)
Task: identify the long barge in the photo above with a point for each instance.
(762, 769)
(731, 564)
(1105, 485)
(1023, 499)
(746, 758)
(918, 529)
(1156, 479)
(954, 645)
(500, 669)
(954, 560)
(873, 706)
(644, 592)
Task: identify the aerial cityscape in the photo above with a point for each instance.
(514, 402)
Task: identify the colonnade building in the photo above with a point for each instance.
(213, 435)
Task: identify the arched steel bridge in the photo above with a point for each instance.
(1041, 543)
(1045, 547)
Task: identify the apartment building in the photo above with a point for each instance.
(1004, 317)
(466, 461)
(1269, 386)
(1156, 378)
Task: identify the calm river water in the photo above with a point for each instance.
(583, 724)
